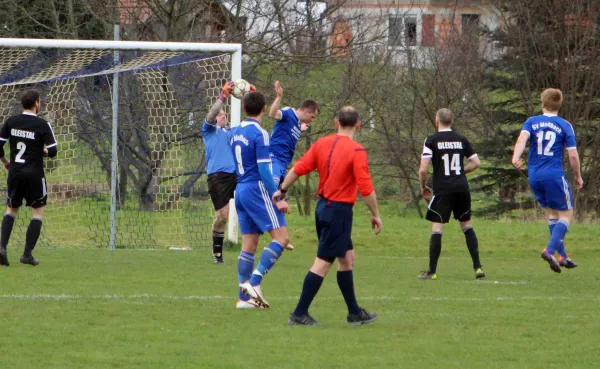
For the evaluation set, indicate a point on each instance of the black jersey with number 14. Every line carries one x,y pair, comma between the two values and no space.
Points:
447,151
27,135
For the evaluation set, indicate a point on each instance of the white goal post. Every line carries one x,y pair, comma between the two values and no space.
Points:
142,128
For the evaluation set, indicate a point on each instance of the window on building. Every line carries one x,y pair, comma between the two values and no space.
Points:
402,31
470,24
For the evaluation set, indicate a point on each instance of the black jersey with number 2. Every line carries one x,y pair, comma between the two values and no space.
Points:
447,151
27,135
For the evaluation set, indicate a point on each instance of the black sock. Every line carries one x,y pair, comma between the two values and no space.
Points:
312,283
473,246
33,233
218,238
346,284
7,226
435,249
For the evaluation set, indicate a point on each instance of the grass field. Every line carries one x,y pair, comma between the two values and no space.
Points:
93,308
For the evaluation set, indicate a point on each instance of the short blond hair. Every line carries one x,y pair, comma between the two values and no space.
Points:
445,116
552,99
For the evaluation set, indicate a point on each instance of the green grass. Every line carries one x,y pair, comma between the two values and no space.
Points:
93,308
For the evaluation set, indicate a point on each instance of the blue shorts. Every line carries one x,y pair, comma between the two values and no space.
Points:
255,209
278,169
553,193
334,228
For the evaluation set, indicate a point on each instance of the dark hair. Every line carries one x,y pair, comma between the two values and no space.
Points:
552,99
253,102
348,116
445,116
311,106
29,98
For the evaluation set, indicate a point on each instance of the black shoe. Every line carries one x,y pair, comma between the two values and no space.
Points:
305,319
218,258
3,257
29,260
363,317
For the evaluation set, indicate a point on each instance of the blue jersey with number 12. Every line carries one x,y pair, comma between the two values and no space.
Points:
548,137
250,146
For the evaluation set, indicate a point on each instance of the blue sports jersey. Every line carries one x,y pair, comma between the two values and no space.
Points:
548,137
250,146
218,152
285,135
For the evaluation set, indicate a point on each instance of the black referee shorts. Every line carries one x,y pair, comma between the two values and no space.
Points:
221,187
458,203
334,228
28,186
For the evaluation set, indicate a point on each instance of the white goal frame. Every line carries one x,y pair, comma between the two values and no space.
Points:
235,49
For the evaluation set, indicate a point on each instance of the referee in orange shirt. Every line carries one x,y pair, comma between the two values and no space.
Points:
343,167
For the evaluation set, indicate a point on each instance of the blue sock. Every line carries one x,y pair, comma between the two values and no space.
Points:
561,250
558,235
312,283
266,262
245,266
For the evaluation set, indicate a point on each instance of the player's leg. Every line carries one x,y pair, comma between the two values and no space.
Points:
218,233
33,234
278,169
8,222
560,199
279,239
461,207
438,213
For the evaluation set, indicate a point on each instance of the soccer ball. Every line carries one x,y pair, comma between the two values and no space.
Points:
240,88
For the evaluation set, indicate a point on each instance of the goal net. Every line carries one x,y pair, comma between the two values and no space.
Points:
164,90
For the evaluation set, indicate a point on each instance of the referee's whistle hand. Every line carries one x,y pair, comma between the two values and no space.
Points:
283,206
376,224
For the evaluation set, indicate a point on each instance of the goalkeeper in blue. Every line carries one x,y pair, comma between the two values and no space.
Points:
548,135
257,213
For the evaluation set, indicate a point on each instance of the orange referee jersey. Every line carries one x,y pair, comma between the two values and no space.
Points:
342,165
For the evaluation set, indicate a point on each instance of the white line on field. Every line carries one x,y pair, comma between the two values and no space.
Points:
219,297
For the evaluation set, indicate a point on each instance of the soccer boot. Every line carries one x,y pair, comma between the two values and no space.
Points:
289,247
427,275
218,258
29,260
554,265
254,292
479,273
363,317
4,257
241,304
568,263
305,319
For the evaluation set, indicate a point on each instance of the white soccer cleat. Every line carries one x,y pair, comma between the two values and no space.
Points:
240,304
289,247
255,293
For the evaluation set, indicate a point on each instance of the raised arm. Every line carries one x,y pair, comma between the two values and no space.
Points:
211,117
274,112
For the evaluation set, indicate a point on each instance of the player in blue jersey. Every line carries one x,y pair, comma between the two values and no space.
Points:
220,168
548,136
256,211
287,130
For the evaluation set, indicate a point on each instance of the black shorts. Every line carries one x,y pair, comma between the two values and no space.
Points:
31,187
458,203
221,187
334,228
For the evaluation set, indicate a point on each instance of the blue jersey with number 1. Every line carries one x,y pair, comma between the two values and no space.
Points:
250,146
548,137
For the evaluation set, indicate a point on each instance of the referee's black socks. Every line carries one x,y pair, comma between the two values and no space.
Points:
473,246
33,233
7,226
218,238
435,249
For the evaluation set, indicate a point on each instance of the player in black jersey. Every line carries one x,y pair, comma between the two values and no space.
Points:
27,135
446,149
